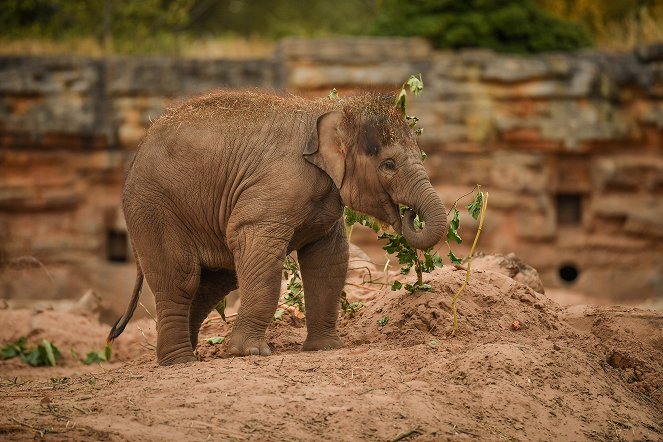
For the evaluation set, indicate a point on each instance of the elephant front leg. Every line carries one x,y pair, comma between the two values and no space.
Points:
259,259
324,265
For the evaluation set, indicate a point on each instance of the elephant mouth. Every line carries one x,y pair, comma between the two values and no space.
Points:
396,220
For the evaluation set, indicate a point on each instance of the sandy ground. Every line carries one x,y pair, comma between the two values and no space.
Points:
567,373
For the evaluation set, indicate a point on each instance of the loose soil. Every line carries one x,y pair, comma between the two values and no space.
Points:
521,367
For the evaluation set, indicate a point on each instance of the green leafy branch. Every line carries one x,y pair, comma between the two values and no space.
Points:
416,84
477,208
294,296
408,257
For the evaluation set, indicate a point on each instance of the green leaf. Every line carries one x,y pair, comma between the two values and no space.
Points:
16,348
221,308
333,94
50,355
278,315
454,259
423,154
349,308
295,294
32,358
427,264
216,340
351,217
383,321
423,287
396,285
45,354
418,224
107,352
94,357
400,100
474,208
411,120
416,84
454,225
418,131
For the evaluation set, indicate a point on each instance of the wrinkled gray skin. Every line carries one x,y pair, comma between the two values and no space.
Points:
224,186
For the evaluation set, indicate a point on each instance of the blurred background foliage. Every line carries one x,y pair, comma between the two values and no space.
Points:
241,28
502,25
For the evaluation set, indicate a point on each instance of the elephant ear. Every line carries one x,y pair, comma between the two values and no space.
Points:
324,148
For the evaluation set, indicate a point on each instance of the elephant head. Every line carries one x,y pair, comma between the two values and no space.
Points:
369,151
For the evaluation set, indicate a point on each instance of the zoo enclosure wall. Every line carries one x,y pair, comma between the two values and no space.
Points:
570,147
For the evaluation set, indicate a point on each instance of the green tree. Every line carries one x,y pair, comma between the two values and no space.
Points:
127,23
280,18
518,26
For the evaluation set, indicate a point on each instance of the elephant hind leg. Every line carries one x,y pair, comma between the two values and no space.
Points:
173,273
214,286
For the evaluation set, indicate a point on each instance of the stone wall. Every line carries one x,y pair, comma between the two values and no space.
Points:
570,147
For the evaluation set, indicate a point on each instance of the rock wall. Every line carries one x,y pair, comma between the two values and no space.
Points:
569,146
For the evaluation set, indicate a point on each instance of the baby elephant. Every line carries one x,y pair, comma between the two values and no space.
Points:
224,186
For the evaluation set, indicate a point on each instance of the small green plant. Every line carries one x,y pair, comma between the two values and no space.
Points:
97,357
383,321
294,295
348,308
94,357
44,354
14,349
214,340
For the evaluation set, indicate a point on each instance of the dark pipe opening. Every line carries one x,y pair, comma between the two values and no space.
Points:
569,273
117,246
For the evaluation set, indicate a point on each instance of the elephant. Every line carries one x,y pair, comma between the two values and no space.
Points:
225,185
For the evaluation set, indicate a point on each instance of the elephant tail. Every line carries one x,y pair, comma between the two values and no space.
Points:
121,323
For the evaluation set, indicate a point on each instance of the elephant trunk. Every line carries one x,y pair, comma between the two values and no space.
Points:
427,204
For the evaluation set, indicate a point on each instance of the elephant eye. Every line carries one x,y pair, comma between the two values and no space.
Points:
389,164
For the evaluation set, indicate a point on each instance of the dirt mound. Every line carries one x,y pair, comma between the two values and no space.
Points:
520,367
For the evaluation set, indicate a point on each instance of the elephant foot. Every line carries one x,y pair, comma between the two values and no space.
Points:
322,343
240,344
173,359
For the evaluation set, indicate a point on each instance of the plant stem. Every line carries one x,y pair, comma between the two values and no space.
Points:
484,205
